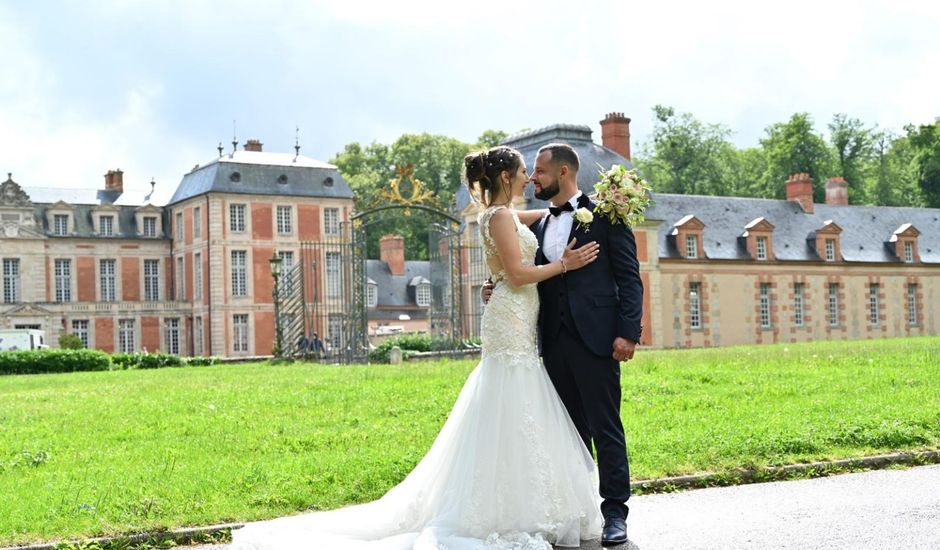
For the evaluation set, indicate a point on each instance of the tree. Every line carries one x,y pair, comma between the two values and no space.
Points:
854,147
491,138
925,143
438,163
684,156
793,147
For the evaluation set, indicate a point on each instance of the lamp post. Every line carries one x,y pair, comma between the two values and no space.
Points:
275,262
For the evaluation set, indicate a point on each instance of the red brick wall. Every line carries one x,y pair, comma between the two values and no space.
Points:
130,279
261,222
308,222
261,271
647,336
188,275
104,334
188,226
150,333
640,245
50,290
86,279
264,332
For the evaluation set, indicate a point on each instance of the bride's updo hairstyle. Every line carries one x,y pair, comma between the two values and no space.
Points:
483,170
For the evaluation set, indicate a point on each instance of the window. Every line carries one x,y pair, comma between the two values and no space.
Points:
912,304
197,276
63,280
798,304
830,250
236,218
11,280
908,251
372,295
198,344
60,224
423,295
331,221
150,226
691,246
765,305
106,273
80,329
151,280
287,263
334,275
285,222
180,281
106,226
240,333
197,222
761,248
179,225
171,333
334,332
833,304
239,273
873,309
695,304
126,336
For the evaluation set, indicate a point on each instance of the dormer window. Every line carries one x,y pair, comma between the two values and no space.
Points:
424,295
830,250
761,248
904,243
908,251
825,241
106,226
60,225
372,294
691,247
150,226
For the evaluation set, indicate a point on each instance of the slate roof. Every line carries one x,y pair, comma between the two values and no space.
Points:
260,173
578,137
126,226
865,229
394,297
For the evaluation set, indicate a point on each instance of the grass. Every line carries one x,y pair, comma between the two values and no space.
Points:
101,453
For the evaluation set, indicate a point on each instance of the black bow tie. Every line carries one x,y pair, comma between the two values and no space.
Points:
557,210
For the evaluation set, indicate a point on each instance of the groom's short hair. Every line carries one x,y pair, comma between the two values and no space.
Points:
563,154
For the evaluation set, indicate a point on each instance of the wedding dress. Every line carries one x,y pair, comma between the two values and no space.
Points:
507,471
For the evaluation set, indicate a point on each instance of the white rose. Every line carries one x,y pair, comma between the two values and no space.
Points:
583,215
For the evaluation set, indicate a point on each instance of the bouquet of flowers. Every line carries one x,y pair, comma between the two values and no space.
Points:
622,195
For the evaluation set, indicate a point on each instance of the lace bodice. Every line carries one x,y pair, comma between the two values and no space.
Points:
510,317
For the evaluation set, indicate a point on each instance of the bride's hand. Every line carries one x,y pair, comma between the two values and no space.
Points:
576,258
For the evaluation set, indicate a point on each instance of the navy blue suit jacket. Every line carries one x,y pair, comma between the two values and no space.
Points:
605,297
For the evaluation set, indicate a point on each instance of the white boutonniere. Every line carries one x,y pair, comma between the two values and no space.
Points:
584,217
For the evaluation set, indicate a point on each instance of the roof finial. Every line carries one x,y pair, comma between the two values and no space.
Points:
220,149
234,138
153,184
296,142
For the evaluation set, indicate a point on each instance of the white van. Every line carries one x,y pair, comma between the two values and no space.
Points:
22,339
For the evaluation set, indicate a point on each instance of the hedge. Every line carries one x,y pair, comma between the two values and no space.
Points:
67,360
53,360
411,343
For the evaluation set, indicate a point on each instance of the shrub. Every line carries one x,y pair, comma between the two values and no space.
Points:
53,360
407,343
200,361
145,360
70,341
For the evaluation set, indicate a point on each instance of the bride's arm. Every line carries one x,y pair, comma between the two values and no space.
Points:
528,217
503,231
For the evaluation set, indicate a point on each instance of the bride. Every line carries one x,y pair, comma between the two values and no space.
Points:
508,469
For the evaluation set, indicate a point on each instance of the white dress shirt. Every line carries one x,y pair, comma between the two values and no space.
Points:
557,231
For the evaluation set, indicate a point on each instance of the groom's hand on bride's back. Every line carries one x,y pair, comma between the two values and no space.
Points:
486,291
623,349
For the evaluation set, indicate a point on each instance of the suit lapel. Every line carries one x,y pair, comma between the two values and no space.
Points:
583,202
540,237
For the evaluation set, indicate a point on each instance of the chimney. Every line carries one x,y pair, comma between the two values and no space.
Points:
615,134
800,190
837,191
254,145
114,181
392,252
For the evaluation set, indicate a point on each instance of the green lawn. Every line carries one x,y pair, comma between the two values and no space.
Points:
110,452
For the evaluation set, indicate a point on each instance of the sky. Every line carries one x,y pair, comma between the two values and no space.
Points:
153,87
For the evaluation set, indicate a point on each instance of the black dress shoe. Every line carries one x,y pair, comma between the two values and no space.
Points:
615,532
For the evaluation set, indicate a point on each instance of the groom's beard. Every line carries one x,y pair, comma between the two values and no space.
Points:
548,191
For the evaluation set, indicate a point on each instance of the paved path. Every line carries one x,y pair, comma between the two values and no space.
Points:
887,509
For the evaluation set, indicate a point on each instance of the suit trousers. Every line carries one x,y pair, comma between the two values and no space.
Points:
589,387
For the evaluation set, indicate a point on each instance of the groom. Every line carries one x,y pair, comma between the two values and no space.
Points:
589,322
